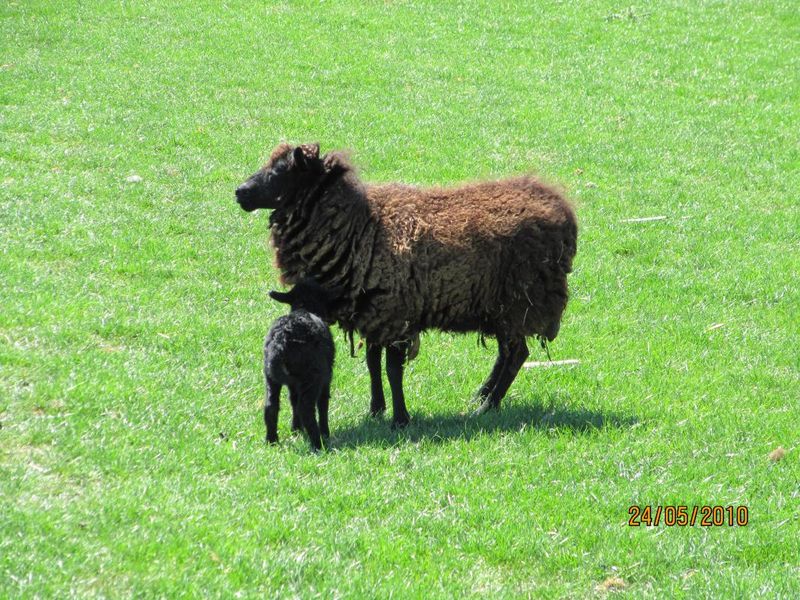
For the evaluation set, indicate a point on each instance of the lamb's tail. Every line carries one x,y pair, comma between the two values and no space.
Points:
413,348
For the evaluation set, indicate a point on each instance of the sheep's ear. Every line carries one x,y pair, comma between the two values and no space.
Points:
299,157
284,297
311,150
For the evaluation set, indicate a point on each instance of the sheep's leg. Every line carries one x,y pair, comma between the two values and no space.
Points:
491,381
271,406
377,403
322,409
395,357
297,423
517,353
307,399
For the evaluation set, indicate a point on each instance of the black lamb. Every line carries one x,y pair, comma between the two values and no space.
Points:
298,353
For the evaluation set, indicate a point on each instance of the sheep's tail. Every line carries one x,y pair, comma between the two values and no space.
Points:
551,332
543,341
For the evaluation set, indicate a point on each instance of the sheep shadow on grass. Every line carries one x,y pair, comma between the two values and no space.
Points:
513,417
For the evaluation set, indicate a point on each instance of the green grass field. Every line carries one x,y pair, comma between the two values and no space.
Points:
132,312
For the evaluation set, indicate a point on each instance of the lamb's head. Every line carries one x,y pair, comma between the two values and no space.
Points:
287,168
309,295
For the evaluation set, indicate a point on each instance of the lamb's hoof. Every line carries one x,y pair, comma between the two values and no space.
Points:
487,406
272,440
296,427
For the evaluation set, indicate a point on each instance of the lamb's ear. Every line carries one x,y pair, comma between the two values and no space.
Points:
284,297
336,305
333,295
335,292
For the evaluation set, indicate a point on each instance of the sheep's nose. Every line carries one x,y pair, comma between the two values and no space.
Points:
242,190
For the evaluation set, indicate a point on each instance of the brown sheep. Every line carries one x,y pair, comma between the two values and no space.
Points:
489,257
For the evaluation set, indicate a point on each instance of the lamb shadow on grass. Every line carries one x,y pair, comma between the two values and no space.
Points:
513,417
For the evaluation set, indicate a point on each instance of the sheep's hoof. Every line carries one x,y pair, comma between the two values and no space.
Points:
401,422
376,409
272,440
485,407
480,395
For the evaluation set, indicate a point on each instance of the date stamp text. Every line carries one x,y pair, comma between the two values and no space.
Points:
688,516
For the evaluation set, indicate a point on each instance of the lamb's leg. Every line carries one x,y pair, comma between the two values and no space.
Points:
322,409
395,357
297,423
517,353
271,406
377,403
307,399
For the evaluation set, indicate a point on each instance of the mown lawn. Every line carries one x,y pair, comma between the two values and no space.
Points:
133,301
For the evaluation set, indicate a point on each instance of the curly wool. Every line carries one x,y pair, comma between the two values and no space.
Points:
491,257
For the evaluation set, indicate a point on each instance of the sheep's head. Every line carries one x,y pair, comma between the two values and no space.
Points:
309,295
287,168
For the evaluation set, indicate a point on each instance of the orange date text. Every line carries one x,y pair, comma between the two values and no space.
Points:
688,516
